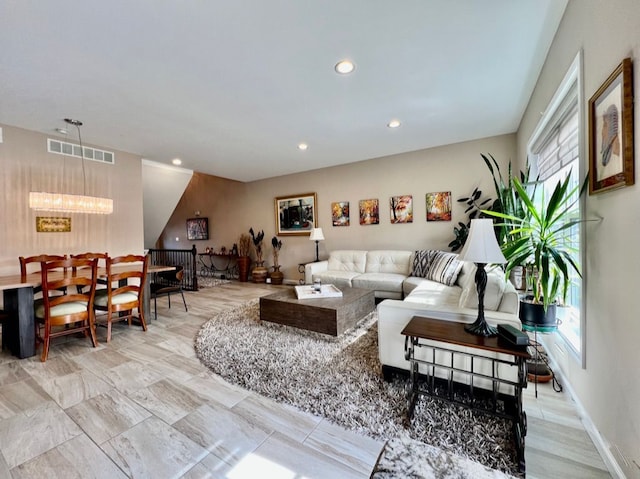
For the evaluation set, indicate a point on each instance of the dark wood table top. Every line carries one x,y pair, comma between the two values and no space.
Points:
453,333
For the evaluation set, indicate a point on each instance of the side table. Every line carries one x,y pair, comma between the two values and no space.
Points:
420,329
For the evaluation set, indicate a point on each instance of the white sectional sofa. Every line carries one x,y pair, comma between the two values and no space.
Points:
410,287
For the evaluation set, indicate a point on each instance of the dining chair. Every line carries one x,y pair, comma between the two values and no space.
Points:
60,315
167,282
36,260
101,257
124,293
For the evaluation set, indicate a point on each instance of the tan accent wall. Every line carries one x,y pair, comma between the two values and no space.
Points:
233,208
26,166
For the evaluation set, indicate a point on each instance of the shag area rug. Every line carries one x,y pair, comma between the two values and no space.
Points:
340,379
210,282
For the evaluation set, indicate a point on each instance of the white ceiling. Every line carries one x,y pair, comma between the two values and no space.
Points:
232,87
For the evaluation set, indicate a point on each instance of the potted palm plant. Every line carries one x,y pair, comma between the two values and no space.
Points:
535,237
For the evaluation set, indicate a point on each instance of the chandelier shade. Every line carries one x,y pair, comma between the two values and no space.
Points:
64,203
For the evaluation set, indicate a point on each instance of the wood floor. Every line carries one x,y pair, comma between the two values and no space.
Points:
143,406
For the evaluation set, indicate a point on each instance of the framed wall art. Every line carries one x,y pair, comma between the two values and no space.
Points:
198,229
296,214
369,212
401,209
53,224
439,206
611,162
340,213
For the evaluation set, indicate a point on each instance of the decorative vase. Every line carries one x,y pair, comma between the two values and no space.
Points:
277,276
243,268
259,273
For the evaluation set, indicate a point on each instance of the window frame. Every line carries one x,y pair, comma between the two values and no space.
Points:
573,76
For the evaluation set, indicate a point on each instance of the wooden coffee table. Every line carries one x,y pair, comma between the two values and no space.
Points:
324,315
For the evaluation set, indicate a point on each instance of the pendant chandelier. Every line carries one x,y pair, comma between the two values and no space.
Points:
67,203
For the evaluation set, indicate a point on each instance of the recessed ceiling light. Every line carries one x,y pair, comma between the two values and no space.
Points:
344,67
176,161
302,146
394,124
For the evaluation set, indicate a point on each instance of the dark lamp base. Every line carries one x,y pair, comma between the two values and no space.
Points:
481,328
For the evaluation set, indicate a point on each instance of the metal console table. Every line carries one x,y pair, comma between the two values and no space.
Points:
421,329
214,263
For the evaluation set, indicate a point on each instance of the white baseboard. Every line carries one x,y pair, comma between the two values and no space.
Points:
602,445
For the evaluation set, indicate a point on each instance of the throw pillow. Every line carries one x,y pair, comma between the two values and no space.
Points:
443,267
420,266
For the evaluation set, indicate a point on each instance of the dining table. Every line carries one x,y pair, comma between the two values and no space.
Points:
19,329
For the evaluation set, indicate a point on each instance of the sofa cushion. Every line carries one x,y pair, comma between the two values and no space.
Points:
435,294
388,261
443,267
379,281
347,260
493,293
340,279
420,266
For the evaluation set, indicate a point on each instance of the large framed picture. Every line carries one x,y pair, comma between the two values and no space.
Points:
198,229
611,162
296,215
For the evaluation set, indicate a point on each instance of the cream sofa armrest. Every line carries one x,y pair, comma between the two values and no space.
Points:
314,268
510,302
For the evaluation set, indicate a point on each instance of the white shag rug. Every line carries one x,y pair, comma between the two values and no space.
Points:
210,282
340,379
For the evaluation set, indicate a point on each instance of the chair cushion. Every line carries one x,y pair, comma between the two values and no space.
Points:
102,298
61,309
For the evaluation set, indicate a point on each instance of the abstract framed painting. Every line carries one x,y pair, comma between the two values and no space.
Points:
611,163
439,206
198,229
401,209
340,213
296,215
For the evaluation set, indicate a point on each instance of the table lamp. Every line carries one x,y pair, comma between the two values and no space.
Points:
481,248
317,236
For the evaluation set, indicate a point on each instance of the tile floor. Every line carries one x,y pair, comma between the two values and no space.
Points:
143,406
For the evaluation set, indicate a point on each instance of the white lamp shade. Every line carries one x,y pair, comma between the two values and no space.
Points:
481,245
316,235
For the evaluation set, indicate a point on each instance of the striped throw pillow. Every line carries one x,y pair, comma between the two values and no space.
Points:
443,267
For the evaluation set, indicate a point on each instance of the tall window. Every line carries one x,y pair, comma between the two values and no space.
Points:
554,154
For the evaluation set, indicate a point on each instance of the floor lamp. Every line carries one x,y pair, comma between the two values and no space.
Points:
481,248
317,236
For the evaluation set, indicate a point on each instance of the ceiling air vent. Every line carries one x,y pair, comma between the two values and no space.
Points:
71,149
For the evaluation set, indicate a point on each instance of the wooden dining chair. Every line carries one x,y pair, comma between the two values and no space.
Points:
125,291
36,260
102,258
167,282
63,314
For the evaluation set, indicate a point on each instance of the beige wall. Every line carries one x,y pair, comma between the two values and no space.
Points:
234,207
609,387
26,166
